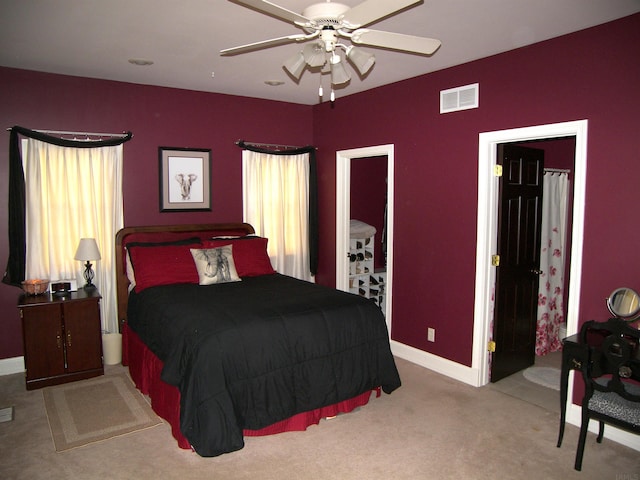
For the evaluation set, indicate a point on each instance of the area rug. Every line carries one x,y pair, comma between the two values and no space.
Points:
545,376
97,409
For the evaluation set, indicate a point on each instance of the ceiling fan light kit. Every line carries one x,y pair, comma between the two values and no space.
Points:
339,74
314,55
363,61
295,65
326,23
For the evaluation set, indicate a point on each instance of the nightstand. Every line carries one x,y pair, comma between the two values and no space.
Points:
62,337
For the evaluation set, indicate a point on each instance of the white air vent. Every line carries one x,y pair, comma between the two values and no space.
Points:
459,98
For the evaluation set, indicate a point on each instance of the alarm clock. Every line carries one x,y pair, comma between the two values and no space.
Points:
63,287
60,288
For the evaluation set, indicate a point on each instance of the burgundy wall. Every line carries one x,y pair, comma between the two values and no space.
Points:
591,75
157,117
588,75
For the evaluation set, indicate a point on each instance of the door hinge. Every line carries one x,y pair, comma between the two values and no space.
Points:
497,170
491,346
495,260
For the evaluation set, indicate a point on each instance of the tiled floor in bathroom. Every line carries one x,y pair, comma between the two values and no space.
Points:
518,386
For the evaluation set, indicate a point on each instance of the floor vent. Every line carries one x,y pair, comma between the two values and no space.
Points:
459,98
6,414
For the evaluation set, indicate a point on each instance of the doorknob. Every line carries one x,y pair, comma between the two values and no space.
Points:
536,271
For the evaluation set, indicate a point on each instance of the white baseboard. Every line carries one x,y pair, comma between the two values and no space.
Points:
9,366
628,439
469,376
437,364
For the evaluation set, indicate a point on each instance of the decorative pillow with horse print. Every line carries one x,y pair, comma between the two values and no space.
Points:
215,265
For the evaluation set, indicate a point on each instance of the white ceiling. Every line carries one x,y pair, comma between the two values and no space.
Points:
96,38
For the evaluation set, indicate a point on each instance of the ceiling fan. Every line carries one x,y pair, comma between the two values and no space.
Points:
325,23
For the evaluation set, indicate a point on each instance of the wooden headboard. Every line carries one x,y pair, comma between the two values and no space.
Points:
162,233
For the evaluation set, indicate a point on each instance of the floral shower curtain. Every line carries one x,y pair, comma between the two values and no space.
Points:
552,261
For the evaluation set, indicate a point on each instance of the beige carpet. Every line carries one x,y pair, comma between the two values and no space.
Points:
431,428
93,410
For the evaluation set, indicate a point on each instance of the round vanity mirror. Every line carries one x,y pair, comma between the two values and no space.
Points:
624,303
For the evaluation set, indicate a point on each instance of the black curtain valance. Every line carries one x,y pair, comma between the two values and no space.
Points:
15,271
63,142
275,149
313,193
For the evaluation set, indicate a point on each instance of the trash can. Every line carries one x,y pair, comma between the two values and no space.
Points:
112,348
562,331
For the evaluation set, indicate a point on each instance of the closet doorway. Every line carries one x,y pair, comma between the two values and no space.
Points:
343,216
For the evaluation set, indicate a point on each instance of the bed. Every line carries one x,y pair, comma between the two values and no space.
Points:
225,347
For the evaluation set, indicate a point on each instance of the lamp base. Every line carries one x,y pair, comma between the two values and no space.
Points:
88,277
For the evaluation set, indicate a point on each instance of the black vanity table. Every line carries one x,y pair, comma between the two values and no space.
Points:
575,356
579,353
607,354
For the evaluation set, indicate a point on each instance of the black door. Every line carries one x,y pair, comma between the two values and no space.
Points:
519,222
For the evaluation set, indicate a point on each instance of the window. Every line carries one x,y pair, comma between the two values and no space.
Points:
276,199
73,193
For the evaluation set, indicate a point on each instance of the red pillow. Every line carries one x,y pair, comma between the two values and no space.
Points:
249,255
163,265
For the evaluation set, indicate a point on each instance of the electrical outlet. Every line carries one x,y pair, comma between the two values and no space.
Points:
431,334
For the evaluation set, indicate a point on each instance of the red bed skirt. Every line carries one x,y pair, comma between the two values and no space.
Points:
145,369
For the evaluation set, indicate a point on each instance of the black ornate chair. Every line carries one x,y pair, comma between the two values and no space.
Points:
612,380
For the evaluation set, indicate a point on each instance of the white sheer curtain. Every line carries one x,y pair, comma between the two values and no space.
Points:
73,193
276,203
552,260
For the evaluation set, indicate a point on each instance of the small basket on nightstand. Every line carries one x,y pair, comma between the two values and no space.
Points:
36,286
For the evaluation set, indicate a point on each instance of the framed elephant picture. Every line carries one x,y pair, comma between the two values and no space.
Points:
185,179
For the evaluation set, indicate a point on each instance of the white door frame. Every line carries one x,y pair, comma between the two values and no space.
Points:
487,230
487,240
343,215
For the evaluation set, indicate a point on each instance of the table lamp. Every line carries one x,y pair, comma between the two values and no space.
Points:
87,251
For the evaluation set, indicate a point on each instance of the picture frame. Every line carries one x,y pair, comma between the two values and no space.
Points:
185,179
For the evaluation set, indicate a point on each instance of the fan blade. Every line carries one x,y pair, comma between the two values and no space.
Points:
396,41
274,10
370,11
263,44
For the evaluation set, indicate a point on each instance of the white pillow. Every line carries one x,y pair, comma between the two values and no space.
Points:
215,265
130,273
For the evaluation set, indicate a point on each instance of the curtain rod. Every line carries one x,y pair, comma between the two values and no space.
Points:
87,134
557,170
274,145
271,145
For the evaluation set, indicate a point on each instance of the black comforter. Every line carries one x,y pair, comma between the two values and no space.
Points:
248,354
